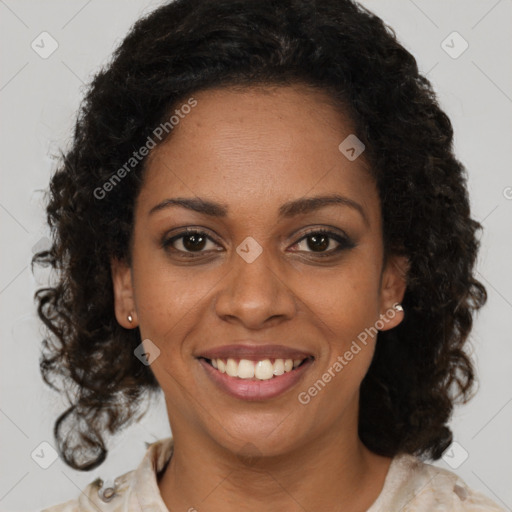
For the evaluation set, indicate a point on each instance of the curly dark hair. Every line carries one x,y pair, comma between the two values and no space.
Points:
420,369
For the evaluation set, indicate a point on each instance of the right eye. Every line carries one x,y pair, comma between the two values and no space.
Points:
188,242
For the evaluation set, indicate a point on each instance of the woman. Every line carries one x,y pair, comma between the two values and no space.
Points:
261,215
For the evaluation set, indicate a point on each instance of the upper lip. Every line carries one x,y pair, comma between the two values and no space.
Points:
254,352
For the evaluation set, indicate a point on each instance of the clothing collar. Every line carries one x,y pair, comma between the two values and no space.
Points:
145,490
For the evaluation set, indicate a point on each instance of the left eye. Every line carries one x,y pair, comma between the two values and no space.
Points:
319,241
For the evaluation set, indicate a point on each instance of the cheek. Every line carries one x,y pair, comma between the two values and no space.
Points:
345,308
345,313
170,303
170,306
346,299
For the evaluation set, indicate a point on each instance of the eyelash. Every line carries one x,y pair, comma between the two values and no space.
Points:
343,241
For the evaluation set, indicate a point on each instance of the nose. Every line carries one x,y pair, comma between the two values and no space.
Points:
255,294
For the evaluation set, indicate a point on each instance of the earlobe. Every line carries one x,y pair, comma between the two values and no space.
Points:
394,284
124,304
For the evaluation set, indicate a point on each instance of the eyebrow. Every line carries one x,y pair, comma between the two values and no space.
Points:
300,206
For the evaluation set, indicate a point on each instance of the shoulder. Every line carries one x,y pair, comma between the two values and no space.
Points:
98,497
134,490
415,486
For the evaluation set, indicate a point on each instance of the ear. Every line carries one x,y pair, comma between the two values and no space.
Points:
124,303
393,286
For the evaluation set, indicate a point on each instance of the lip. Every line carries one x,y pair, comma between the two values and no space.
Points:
254,389
254,352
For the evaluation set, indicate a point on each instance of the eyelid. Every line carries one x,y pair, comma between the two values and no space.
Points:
328,230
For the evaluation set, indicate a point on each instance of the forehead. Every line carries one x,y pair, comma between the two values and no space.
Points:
256,146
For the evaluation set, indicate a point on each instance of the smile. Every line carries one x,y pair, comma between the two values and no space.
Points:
255,380
264,369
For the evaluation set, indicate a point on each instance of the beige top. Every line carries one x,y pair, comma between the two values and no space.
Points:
410,486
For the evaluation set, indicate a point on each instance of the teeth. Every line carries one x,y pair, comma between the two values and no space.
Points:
264,370
261,370
278,367
232,368
245,369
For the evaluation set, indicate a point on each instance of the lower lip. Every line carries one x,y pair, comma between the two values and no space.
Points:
246,389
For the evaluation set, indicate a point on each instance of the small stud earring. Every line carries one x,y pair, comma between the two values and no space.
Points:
130,318
398,307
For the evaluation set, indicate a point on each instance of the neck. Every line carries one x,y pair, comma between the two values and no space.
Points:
332,472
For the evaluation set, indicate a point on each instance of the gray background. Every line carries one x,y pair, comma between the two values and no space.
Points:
38,101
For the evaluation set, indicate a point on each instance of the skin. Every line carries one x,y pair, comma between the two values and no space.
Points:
252,150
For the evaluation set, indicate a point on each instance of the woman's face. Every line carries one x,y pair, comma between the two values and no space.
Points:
258,284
